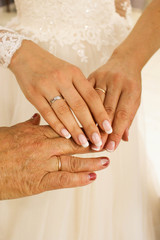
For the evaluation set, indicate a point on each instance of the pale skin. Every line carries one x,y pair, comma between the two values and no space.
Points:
43,76
29,164
121,75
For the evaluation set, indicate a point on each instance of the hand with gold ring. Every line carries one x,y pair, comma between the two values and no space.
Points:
34,159
118,83
56,87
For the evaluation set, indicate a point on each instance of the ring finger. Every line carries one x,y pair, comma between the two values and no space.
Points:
111,101
65,115
74,164
83,114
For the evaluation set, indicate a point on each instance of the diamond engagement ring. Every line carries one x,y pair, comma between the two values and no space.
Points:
55,99
102,90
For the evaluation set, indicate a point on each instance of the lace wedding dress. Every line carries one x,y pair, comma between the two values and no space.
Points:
118,205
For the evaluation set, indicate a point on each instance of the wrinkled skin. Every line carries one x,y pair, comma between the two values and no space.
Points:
28,162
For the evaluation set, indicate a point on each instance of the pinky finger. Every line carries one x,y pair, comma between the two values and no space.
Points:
59,180
48,114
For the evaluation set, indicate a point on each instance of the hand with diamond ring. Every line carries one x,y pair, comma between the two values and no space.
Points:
55,87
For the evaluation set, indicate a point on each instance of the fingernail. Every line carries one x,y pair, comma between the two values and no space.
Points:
96,139
92,176
95,148
107,127
111,146
104,162
34,116
65,133
83,140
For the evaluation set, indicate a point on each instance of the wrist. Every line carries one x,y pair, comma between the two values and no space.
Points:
21,56
131,55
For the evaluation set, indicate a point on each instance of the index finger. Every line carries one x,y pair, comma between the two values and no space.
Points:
62,146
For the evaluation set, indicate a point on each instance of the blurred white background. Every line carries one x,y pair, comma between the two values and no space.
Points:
151,88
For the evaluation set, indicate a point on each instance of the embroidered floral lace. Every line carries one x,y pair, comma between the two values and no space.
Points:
10,41
66,22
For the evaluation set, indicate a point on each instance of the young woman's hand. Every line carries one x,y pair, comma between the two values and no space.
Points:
120,78
42,77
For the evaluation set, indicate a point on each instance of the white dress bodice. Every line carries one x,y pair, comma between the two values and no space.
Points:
71,22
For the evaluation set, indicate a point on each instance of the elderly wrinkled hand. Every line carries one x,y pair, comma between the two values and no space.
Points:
31,155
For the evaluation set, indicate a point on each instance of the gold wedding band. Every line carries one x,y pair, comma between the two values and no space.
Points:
59,163
100,89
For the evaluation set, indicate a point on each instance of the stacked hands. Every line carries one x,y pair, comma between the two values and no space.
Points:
111,105
104,104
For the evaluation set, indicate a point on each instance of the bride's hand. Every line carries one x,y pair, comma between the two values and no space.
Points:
43,76
120,77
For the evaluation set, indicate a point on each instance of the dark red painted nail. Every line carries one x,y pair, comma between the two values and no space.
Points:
92,176
35,115
105,161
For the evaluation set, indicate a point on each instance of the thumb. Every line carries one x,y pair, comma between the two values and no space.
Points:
34,120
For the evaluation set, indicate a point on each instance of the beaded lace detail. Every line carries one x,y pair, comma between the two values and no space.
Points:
10,41
72,22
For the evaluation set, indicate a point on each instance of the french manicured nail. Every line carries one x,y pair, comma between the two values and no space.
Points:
65,133
95,148
83,140
92,176
111,146
104,162
35,115
107,127
96,139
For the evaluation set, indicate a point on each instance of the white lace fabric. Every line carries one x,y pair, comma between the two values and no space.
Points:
68,22
10,42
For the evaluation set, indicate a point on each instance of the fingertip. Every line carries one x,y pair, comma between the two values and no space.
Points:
35,119
105,162
65,133
110,146
92,176
107,127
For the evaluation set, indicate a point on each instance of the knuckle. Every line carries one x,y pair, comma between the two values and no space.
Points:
44,84
79,105
117,77
76,70
74,146
116,136
91,128
92,95
109,110
56,74
74,164
62,108
122,115
47,113
63,180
